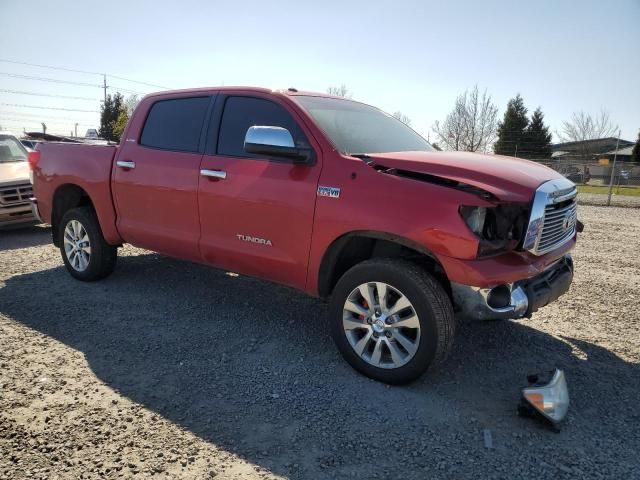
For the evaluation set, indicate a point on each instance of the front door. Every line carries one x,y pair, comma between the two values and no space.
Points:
258,219
155,181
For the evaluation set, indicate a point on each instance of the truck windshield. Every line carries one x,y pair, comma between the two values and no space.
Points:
356,128
11,150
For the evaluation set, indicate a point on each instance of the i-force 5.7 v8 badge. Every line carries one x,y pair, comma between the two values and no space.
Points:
333,192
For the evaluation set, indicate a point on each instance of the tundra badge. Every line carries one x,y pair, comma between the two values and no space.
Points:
249,238
332,192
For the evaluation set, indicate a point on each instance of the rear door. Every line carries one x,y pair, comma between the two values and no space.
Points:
258,219
155,178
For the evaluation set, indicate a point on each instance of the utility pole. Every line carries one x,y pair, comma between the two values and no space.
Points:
76,129
104,86
613,169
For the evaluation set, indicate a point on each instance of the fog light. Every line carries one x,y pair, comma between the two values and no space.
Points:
499,297
549,400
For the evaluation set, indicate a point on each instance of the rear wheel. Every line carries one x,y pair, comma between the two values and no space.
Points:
391,320
84,250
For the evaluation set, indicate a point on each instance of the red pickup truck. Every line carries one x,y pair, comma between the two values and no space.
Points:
326,195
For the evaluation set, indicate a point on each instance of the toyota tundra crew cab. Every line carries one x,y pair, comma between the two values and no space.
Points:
325,195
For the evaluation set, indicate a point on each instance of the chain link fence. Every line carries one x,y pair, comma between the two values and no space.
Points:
595,180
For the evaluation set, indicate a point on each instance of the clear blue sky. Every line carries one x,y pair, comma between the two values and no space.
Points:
413,56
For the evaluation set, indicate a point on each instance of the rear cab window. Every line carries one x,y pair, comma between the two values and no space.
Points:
175,124
240,113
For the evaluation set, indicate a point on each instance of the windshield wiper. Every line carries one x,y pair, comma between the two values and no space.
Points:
360,155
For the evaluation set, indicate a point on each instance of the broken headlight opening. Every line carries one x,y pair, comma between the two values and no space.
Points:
546,398
498,228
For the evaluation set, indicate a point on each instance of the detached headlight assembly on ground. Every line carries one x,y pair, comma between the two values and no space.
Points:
498,228
548,400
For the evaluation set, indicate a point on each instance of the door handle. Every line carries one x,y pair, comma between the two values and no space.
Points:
128,164
220,174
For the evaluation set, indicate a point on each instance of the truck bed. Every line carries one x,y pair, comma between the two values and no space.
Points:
85,166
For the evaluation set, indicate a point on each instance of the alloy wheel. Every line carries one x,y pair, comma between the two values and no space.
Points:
381,325
77,246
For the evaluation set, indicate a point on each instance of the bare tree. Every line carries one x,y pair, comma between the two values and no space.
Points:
131,103
402,117
471,125
341,91
583,127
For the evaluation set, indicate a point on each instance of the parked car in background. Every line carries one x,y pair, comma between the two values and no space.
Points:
576,173
32,144
15,186
326,195
623,177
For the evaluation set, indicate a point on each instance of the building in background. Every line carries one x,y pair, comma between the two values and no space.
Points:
588,150
622,154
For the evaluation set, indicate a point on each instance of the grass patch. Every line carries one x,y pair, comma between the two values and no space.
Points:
633,191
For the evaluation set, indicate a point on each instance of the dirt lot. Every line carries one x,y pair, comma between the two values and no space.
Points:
617,200
168,370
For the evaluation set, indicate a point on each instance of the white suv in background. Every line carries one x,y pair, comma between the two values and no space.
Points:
15,186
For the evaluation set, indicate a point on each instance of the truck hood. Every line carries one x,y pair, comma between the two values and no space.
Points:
507,178
14,172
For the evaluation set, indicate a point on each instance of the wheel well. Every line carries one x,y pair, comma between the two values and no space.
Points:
351,249
65,198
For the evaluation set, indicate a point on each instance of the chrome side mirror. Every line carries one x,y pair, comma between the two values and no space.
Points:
275,142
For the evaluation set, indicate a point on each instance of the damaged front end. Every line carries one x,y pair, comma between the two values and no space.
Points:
530,228
514,300
498,229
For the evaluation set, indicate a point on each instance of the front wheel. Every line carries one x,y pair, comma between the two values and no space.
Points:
84,250
391,320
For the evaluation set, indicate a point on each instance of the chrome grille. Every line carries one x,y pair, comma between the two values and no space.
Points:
15,194
553,216
559,225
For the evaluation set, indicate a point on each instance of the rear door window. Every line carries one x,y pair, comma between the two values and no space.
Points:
240,113
175,124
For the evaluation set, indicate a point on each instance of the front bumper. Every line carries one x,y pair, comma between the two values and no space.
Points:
34,209
515,300
15,214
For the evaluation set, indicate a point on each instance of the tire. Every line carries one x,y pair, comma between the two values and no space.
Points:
411,345
87,264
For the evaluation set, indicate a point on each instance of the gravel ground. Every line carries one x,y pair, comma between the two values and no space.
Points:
616,200
173,370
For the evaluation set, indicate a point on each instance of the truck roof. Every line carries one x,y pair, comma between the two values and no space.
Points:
205,90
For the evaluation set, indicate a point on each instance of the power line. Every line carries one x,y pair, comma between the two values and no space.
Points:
35,115
136,81
20,92
48,66
83,84
47,79
48,108
83,71
125,90
53,122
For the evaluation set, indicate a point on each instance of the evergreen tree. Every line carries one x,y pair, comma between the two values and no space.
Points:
120,124
109,113
537,138
511,131
635,153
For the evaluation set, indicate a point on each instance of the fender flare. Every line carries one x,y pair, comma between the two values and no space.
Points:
332,254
